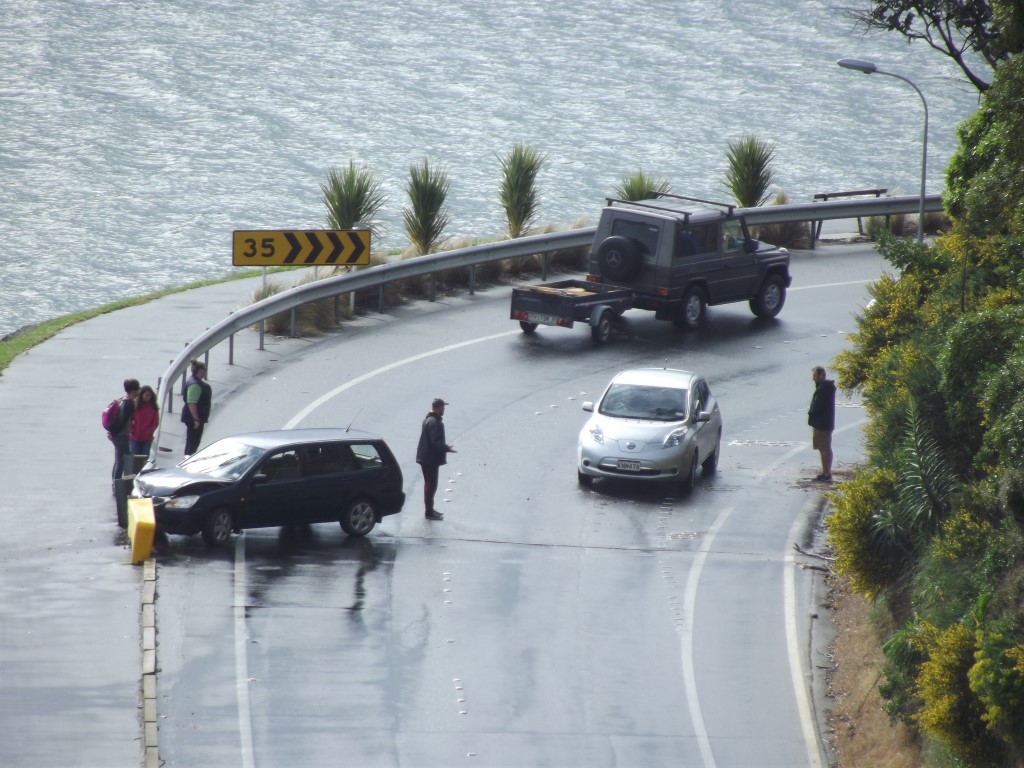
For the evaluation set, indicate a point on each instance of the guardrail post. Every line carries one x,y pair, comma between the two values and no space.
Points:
544,266
433,286
293,323
261,334
472,279
380,298
231,349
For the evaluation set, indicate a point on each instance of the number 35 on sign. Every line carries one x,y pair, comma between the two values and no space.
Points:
300,247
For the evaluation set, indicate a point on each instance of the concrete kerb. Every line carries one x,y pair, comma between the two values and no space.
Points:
150,739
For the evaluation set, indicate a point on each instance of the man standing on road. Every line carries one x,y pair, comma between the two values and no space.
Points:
120,431
821,417
195,414
431,453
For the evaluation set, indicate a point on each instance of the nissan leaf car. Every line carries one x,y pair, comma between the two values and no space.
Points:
652,425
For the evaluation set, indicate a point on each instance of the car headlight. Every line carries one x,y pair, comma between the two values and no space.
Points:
674,438
597,434
181,502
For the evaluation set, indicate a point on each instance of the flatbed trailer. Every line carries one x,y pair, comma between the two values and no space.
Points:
565,302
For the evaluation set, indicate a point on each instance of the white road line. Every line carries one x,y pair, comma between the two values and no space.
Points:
690,599
297,418
830,285
796,671
686,641
241,659
241,649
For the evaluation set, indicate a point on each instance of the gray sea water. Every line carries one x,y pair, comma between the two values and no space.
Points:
135,135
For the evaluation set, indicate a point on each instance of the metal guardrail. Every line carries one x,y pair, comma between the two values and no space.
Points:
472,256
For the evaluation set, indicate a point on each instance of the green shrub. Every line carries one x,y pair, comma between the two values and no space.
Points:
870,562
950,710
353,196
1003,414
749,175
997,679
976,348
790,234
427,216
640,186
518,190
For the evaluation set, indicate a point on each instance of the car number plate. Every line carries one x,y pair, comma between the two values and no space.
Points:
629,466
541,318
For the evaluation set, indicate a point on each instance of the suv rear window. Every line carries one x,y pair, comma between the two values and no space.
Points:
645,234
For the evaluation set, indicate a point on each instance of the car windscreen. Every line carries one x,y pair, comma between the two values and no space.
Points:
227,459
636,401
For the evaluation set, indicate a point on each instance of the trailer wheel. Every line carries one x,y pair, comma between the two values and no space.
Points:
602,329
528,328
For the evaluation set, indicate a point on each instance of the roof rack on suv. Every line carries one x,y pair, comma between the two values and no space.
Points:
686,214
728,206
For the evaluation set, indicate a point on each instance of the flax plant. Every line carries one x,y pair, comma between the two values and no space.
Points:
749,175
353,197
519,198
640,186
427,217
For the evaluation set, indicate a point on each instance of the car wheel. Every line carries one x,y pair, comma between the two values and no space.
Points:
710,464
359,518
528,328
602,330
691,477
691,311
618,258
217,528
585,480
770,297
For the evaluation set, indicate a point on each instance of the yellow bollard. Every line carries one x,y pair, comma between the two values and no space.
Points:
141,528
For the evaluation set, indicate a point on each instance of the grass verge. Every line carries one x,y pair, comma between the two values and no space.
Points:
25,338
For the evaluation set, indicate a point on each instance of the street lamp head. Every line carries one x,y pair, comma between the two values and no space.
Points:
867,67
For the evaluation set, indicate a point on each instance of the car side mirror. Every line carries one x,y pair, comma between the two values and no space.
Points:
704,416
588,407
260,478
752,246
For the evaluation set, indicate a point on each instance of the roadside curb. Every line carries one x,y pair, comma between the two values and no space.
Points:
149,727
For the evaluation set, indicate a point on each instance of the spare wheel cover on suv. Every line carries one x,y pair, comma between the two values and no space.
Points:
619,258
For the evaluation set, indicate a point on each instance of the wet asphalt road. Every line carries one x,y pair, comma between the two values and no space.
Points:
541,623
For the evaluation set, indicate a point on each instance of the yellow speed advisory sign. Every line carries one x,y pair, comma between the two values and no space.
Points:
300,247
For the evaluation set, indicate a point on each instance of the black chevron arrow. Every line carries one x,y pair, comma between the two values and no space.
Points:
338,247
357,248
314,240
296,248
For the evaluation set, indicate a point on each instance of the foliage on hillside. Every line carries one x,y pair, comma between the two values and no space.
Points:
933,526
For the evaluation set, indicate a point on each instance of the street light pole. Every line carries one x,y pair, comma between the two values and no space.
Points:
868,68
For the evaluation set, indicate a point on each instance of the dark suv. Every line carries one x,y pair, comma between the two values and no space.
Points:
285,477
680,254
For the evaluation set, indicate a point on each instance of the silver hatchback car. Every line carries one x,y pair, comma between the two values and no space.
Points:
654,424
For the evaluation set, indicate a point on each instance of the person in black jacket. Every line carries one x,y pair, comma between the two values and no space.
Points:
196,411
120,431
431,453
821,417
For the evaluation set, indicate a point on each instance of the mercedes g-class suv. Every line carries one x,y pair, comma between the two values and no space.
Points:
680,255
